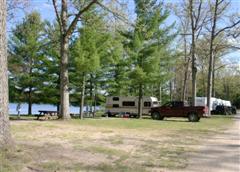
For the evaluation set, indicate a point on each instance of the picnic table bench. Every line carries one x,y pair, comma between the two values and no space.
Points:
46,114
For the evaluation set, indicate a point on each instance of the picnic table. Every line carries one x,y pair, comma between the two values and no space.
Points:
46,113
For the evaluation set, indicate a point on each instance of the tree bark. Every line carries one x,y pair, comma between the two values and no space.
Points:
187,60
213,83
210,69
170,91
91,93
213,77
58,108
64,92
194,69
5,136
30,101
140,100
95,100
203,82
82,96
58,95
160,93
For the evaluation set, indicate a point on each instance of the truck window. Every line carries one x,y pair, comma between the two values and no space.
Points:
168,104
147,104
178,104
155,103
115,105
115,98
128,103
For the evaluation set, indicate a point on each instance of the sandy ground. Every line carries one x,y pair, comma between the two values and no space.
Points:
221,153
48,146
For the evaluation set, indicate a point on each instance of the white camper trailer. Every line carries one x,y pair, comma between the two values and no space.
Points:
227,103
202,101
214,102
119,104
219,102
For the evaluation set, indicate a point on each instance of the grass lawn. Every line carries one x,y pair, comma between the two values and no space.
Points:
106,144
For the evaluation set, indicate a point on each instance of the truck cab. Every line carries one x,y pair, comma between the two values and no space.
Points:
173,108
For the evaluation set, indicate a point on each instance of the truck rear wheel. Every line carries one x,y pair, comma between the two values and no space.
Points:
193,117
157,116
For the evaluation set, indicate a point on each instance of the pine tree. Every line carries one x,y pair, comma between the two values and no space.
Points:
52,68
26,58
145,42
85,54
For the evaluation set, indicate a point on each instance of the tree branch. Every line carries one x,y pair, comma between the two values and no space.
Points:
57,15
75,20
198,14
120,17
227,27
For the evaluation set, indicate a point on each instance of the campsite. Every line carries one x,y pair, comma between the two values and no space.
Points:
119,85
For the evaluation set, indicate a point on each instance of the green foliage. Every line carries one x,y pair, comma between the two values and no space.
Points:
147,44
113,62
26,59
85,51
91,51
52,65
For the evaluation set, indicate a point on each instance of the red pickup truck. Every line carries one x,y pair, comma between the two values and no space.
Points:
178,109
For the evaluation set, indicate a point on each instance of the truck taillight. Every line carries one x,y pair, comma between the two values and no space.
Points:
205,110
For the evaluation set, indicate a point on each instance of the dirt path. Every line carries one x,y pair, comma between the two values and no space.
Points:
219,154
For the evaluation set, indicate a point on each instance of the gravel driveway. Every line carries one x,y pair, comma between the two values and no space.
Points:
220,153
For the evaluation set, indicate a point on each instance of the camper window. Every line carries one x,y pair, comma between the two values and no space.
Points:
115,105
128,103
115,98
147,104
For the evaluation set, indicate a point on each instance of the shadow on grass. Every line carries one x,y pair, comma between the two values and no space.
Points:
175,120
23,118
29,118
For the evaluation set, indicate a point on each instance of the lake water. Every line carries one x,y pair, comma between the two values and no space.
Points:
37,107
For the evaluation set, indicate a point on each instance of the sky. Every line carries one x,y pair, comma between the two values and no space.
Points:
46,10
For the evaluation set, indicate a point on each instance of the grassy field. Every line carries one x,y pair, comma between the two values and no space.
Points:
106,144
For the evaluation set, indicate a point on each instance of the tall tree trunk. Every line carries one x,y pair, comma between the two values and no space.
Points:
58,108
30,101
187,60
91,93
140,100
213,77
194,69
170,91
95,100
184,85
64,92
5,136
64,79
213,83
82,96
59,97
203,82
160,93
210,70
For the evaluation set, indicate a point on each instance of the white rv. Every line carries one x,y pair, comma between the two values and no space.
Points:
214,102
119,104
202,101
227,103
